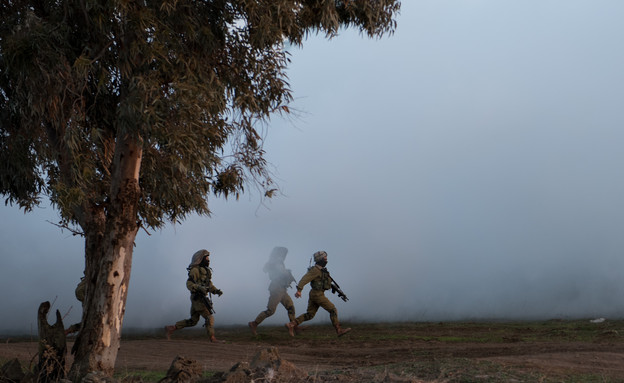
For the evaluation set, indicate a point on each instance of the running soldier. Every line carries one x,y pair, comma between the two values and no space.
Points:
319,280
200,285
281,279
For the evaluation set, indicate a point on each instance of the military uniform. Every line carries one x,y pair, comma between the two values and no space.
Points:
80,295
320,281
199,283
281,278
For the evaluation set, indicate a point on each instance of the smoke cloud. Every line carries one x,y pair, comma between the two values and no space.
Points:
467,167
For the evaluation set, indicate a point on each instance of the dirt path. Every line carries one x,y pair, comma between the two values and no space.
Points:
547,350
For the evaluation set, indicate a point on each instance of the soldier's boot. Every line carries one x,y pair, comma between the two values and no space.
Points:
341,331
253,326
291,327
169,330
213,339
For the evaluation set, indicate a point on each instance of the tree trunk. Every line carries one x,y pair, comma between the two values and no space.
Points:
109,242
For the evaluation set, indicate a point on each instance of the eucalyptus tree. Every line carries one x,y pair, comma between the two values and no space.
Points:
129,114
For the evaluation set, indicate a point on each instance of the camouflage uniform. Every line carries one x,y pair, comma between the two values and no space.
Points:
80,295
281,278
199,284
319,280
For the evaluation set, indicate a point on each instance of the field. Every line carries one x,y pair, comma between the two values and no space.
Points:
550,351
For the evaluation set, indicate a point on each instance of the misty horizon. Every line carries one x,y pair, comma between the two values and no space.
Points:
465,168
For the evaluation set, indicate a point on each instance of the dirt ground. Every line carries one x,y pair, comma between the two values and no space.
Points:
570,351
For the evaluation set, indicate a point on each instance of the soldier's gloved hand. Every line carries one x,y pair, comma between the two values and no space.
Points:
219,292
202,290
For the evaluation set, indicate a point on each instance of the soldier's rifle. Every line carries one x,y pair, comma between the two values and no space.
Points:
206,299
336,289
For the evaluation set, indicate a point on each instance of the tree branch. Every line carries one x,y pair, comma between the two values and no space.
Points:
66,227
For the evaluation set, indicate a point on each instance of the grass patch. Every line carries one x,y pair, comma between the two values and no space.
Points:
139,376
462,370
148,376
459,370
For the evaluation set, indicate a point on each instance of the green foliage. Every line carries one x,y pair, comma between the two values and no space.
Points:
194,82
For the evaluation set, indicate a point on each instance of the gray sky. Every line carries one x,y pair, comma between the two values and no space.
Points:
467,167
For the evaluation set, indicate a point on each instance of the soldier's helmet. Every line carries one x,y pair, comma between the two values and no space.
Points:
318,256
198,257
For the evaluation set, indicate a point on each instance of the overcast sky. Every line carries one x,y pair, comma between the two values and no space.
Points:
467,167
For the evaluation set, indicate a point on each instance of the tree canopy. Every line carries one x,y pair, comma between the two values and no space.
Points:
192,80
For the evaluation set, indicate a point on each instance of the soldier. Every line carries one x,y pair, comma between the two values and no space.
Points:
199,283
281,278
80,295
319,280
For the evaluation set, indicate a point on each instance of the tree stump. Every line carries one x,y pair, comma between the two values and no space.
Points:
52,346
